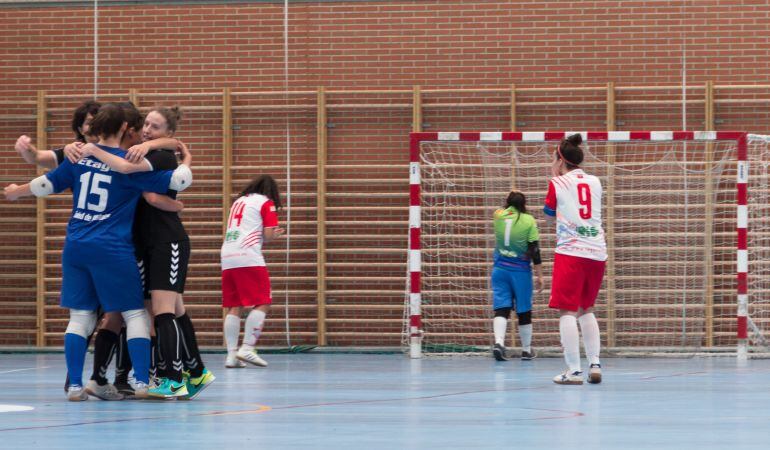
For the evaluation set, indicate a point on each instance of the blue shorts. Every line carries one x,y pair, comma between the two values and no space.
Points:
93,277
510,285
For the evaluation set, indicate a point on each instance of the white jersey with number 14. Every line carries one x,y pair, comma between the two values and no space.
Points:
576,200
249,216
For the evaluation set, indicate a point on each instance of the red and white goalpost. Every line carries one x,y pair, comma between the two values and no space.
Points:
672,200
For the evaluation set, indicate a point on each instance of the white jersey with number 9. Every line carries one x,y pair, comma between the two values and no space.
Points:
576,200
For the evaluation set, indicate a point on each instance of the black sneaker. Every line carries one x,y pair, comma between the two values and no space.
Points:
499,353
595,374
124,388
528,356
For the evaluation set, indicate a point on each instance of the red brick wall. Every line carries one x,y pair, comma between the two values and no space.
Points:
349,45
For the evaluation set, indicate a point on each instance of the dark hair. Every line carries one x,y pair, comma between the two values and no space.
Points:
265,185
517,200
108,121
134,118
172,116
570,151
80,114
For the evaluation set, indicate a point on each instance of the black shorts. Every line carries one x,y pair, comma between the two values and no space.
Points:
163,266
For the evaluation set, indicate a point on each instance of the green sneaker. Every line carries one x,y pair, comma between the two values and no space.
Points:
196,385
167,388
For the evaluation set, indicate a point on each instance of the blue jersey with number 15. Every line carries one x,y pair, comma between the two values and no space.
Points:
104,201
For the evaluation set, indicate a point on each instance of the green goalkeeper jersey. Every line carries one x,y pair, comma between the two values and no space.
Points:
513,233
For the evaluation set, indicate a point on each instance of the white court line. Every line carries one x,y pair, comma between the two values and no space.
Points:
21,370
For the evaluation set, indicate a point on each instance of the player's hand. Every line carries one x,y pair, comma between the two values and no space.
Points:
87,150
10,192
137,152
539,284
74,152
184,152
24,145
279,232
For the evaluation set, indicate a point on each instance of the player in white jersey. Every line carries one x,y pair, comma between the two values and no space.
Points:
574,199
245,281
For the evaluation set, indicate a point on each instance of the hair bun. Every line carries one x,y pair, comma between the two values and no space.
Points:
575,139
177,111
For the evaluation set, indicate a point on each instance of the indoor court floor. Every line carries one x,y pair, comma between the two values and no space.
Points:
387,401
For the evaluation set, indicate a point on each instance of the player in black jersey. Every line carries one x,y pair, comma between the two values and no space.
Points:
163,248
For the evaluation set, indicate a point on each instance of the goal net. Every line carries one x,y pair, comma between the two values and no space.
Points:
670,208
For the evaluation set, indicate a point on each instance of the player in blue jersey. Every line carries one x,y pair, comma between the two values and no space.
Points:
516,250
98,262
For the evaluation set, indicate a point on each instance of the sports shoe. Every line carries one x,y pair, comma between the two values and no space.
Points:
103,391
234,363
76,393
498,351
575,377
124,388
528,356
251,357
196,385
595,374
168,388
141,390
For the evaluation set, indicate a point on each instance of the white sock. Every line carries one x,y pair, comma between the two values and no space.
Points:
500,325
570,340
253,328
592,342
525,333
232,332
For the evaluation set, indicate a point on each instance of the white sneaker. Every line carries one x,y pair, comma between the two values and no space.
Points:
104,392
251,357
595,374
76,393
232,362
575,377
140,390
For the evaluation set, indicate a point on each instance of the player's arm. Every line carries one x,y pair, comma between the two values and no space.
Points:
270,221
43,158
55,181
549,209
533,250
161,181
139,151
163,202
115,162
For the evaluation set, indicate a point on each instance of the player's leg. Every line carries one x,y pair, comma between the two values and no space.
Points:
105,345
79,295
123,366
169,345
589,326
231,301
502,303
254,282
198,377
522,286
566,287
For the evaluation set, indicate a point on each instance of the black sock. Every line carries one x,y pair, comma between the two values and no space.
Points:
167,331
192,356
153,357
122,360
105,344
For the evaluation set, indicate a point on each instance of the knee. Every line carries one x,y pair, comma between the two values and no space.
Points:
137,324
525,318
82,322
503,312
